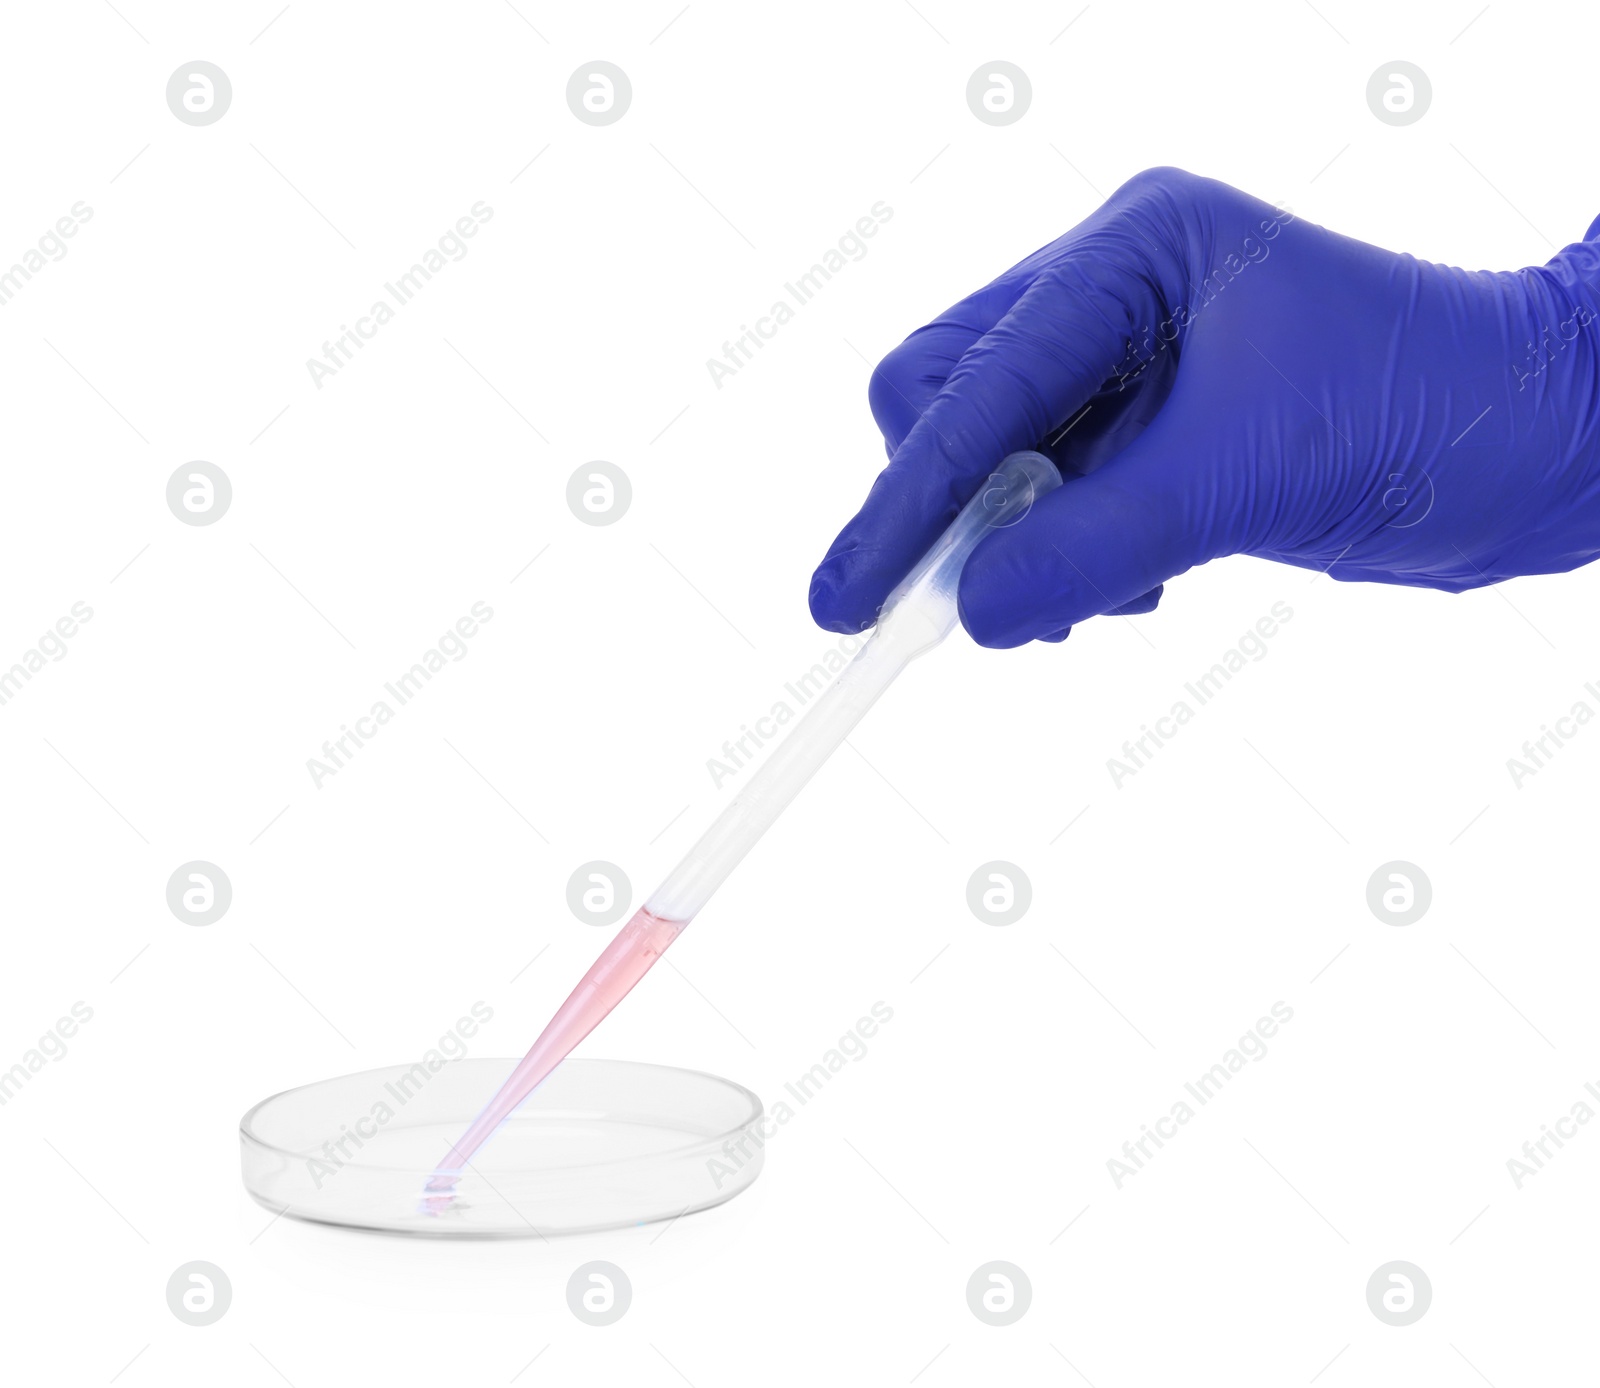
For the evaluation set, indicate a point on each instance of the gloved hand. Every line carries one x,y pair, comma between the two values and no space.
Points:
1215,376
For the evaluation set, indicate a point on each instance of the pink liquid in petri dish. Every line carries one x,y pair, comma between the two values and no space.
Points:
623,962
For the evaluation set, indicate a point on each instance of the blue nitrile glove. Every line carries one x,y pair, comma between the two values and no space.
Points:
1215,376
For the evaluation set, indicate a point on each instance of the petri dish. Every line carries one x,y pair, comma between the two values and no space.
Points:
601,1144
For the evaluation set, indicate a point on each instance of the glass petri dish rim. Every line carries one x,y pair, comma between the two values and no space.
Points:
753,1102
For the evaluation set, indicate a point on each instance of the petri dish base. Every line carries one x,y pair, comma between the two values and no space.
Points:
601,1144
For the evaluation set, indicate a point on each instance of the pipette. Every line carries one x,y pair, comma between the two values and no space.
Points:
918,615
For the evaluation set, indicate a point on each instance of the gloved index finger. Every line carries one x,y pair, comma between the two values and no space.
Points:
907,381
1044,359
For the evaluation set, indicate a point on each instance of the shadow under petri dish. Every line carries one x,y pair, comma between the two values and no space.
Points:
601,1144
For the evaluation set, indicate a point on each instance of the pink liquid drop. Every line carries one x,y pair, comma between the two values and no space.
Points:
623,962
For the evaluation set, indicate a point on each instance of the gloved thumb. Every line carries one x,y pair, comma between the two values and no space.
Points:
1100,543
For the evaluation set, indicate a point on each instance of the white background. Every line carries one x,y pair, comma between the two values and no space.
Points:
370,514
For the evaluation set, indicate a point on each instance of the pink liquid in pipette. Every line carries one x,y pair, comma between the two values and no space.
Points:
622,963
